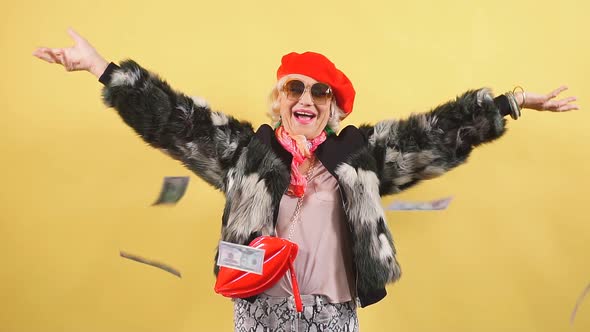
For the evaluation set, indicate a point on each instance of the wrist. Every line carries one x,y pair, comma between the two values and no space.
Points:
98,67
520,96
520,99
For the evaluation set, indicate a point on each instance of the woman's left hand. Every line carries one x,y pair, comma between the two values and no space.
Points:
546,102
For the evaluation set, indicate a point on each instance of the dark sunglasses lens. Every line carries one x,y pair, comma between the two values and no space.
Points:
321,93
294,89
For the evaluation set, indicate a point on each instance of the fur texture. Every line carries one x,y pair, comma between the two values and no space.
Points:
252,169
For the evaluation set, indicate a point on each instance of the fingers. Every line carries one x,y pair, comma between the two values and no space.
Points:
72,58
42,54
565,105
56,58
568,107
58,55
75,36
67,64
51,55
556,92
568,100
562,105
67,61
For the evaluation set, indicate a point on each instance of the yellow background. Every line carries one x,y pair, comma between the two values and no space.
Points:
510,254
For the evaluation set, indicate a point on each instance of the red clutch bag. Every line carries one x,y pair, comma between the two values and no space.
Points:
279,255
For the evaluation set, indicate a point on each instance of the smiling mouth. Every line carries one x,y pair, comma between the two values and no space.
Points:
304,115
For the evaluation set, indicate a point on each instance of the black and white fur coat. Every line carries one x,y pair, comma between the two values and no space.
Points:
253,170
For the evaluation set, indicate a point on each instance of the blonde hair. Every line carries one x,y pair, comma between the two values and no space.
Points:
337,114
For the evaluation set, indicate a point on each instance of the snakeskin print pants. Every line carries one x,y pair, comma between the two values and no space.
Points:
278,314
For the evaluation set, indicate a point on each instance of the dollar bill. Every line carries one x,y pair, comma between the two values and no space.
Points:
439,204
150,262
240,257
173,189
580,299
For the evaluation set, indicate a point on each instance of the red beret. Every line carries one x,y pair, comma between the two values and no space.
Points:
322,70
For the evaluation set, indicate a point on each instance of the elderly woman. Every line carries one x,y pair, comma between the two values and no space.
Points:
299,179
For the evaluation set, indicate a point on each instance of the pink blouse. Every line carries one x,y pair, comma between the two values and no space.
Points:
324,263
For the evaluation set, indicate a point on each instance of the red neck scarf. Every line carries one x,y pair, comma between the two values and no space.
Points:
301,149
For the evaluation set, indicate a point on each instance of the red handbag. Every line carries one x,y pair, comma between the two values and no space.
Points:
279,255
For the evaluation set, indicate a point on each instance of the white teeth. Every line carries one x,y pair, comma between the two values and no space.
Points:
305,114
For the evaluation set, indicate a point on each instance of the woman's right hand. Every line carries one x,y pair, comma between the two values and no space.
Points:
81,56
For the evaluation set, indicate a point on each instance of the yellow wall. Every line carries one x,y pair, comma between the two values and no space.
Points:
510,254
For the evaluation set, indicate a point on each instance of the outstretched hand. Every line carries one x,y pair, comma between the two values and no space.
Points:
81,56
547,102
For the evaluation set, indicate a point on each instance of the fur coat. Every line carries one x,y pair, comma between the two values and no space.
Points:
253,170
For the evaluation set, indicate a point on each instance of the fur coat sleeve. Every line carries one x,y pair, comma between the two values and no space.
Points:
429,144
206,142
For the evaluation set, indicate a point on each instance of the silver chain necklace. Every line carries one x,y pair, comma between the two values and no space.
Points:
296,214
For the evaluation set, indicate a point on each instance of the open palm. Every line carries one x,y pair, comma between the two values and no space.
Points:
547,102
81,56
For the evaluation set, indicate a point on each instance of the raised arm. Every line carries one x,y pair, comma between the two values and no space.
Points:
206,142
429,144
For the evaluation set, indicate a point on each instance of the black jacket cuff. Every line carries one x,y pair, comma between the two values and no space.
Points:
105,78
503,104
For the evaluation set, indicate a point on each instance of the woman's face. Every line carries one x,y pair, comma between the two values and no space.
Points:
304,115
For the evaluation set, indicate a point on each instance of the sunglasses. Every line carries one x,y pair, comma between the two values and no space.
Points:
320,92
